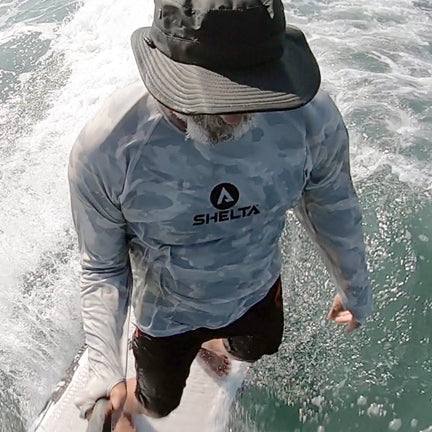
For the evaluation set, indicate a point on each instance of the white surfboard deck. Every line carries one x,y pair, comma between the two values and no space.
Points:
204,407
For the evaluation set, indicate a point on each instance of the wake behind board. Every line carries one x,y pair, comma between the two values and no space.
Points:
204,407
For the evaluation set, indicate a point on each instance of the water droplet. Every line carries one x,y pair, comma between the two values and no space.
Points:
361,401
317,400
395,424
376,410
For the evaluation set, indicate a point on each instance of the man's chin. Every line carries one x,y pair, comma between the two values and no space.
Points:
215,132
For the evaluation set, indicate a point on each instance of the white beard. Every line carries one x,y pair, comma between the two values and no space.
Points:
211,129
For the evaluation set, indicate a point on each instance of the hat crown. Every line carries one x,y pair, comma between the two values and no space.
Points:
219,34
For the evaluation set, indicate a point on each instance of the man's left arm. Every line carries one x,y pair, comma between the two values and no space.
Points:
330,212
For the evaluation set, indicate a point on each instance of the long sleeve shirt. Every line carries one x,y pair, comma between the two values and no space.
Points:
194,228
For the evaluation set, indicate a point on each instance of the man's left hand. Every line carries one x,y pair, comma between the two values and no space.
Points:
339,314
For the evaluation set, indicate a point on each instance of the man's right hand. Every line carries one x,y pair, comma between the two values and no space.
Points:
122,422
118,396
109,405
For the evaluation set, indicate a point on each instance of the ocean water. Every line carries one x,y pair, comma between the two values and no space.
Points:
60,59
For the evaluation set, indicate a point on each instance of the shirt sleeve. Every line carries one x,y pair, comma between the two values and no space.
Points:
106,274
330,212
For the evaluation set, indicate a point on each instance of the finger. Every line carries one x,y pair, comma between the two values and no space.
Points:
344,314
335,312
344,317
336,308
331,315
118,396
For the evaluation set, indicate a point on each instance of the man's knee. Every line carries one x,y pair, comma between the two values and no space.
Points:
250,348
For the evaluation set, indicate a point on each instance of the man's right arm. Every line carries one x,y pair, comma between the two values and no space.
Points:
106,275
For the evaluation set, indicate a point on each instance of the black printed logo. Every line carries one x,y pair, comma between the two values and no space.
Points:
224,196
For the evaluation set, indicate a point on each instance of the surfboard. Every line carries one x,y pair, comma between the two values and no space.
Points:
204,407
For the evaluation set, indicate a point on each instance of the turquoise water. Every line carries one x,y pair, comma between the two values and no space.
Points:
365,381
59,60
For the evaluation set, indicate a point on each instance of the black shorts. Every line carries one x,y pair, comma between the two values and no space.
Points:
163,363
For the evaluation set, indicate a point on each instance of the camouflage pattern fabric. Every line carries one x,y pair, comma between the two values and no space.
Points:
195,227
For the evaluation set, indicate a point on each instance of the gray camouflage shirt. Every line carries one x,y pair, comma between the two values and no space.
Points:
195,228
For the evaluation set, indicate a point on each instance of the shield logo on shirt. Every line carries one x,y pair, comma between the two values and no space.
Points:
224,196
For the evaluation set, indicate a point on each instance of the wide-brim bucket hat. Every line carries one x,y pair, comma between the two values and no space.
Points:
225,56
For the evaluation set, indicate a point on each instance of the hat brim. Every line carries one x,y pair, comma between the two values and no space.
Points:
288,83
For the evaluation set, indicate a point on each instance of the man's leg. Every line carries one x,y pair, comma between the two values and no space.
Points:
132,405
214,358
257,332
262,328
162,366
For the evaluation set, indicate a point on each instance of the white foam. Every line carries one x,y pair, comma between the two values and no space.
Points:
375,62
35,216
33,180
46,31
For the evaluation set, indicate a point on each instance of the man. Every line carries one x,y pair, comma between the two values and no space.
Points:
180,188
